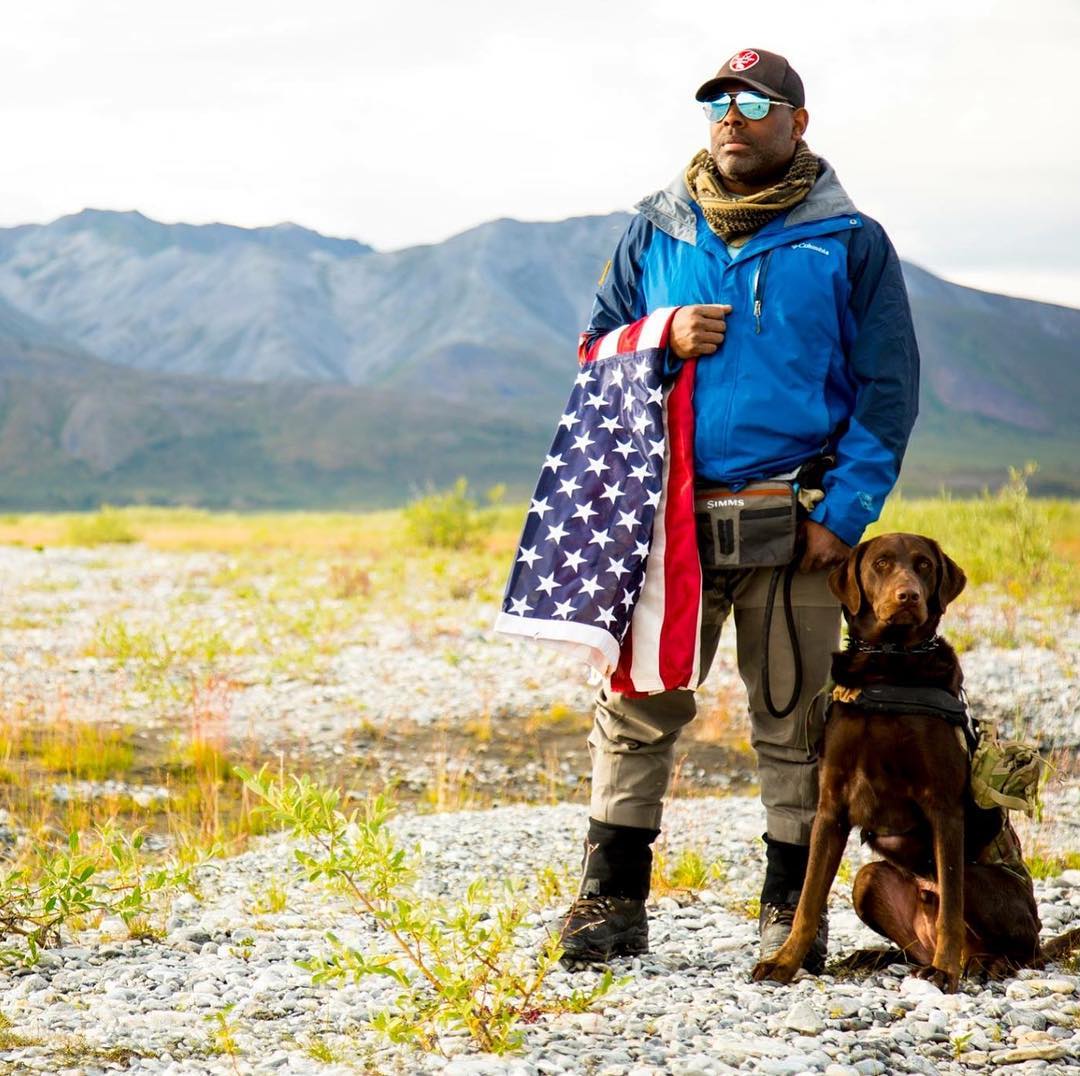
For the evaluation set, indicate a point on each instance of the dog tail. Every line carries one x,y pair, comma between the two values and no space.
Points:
1061,946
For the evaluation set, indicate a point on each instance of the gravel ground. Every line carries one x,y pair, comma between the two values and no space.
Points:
688,1006
105,1003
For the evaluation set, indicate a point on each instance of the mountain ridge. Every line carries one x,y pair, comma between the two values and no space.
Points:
123,339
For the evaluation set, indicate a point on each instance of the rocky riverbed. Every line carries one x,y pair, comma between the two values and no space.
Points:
403,693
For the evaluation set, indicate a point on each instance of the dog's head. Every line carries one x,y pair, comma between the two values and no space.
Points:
896,584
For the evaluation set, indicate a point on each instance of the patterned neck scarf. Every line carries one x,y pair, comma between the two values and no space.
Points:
735,218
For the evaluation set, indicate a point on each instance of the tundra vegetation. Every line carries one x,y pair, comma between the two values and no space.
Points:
144,802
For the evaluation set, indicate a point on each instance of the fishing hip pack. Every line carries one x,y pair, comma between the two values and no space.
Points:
753,527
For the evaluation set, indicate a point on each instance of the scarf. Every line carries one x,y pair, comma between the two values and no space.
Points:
736,218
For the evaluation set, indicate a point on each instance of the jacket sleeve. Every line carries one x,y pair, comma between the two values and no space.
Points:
618,302
883,366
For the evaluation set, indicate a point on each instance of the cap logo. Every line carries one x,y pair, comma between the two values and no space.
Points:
744,60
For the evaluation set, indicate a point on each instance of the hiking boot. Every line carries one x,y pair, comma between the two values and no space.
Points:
595,929
774,926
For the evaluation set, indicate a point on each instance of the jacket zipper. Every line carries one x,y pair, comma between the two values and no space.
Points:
759,289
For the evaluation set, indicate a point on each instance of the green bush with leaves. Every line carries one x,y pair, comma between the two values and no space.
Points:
109,525
458,964
447,519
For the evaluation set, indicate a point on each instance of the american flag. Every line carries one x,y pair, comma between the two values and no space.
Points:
616,496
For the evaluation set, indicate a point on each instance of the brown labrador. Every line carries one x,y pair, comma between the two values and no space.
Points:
951,891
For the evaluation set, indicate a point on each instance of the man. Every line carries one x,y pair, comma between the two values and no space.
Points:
794,305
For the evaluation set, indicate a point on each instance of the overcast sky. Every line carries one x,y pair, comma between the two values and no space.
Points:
952,122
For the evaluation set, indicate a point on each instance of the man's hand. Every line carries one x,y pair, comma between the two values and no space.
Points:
698,330
821,548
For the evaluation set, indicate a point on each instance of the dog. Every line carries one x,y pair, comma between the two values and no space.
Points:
951,890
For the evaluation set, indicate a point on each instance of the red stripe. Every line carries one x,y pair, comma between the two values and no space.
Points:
620,678
682,565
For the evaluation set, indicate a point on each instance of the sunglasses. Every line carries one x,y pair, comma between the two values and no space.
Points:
754,106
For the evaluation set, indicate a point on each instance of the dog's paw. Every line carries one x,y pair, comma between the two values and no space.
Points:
775,970
945,980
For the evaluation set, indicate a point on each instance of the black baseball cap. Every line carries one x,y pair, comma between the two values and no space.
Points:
765,71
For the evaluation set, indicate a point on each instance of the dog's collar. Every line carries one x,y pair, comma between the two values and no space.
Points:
860,646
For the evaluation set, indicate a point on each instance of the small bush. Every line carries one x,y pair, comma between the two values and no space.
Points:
110,525
449,519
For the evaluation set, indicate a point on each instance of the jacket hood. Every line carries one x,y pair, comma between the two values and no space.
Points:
671,209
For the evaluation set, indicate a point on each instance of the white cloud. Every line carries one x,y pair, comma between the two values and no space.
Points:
404,123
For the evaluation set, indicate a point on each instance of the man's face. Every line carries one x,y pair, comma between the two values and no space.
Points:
756,152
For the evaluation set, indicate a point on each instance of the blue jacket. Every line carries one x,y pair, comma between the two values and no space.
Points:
819,352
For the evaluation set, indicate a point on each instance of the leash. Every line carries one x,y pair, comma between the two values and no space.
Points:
788,573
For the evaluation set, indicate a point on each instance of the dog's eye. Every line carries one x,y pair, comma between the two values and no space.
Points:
922,565
881,564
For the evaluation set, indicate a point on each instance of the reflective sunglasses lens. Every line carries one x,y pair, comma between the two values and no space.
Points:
718,109
753,106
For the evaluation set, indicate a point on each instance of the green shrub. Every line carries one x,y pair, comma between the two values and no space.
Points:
447,519
109,525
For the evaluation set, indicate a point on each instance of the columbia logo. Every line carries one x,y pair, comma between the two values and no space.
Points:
810,246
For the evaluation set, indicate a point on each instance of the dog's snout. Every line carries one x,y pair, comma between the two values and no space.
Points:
907,595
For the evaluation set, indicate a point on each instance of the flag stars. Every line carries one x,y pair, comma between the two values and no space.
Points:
641,371
641,423
519,607
605,615
569,486
640,473
656,395
627,520
585,511
563,609
600,538
641,549
653,499
547,584
597,466
624,448
568,420
582,441
528,556
611,424
589,586
612,492
627,600
540,507
595,399
583,378
617,568
573,559
556,533
554,462
656,448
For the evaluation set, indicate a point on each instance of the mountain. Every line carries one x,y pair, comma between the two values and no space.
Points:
277,366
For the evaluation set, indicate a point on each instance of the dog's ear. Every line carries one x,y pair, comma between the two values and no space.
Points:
844,581
950,578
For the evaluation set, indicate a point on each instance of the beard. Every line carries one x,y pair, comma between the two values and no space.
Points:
752,165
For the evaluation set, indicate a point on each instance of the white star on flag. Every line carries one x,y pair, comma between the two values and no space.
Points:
624,448
556,533
640,473
641,371
612,492
568,420
617,568
602,538
597,466
519,607
590,586
563,609
583,379
573,559
595,399
528,556
554,462
610,424
656,395
641,423
569,486
541,508
653,499
656,448
582,441
627,520
547,583
606,615
585,511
